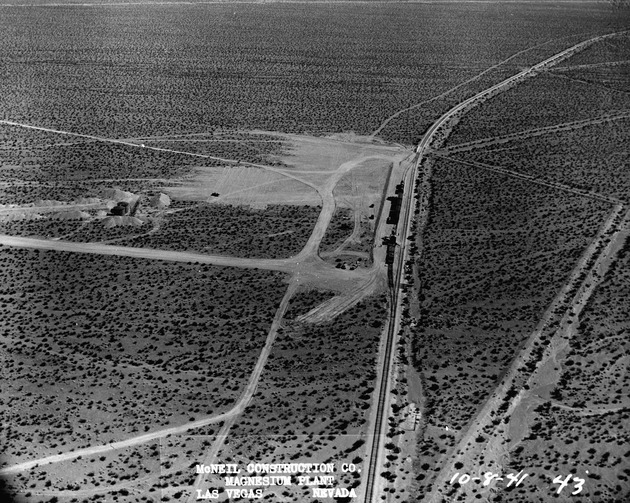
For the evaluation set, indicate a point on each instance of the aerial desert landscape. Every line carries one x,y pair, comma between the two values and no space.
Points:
314,251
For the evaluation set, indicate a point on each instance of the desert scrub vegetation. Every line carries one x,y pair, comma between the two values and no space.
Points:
116,80
278,231
592,158
595,371
95,231
410,126
44,228
340,227
24,193
101,347
612,49
155,468
313,398
615,76
544,100
51,157
305,300
593,447
495,252
365,239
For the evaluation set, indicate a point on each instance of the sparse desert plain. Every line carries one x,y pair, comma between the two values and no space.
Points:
306,252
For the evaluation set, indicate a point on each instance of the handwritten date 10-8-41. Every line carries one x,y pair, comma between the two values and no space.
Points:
516,480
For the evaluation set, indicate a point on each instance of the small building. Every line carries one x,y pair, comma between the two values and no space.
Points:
394,209
390,253
412,417
121,209
160,201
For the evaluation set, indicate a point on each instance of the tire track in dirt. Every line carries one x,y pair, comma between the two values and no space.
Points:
532,179
530,133
467,451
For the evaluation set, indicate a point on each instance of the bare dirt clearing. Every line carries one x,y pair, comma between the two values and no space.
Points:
238,185
326,154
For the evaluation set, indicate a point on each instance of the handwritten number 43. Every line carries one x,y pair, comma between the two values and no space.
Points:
563,483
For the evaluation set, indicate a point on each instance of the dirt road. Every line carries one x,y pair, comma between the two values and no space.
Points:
530,133
306,267
243,401
532,179
434,136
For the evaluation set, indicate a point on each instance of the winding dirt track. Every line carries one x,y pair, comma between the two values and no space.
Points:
466,448
249,390
292,265
243,401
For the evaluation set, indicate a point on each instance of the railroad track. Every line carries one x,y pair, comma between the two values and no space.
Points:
380,424
410,176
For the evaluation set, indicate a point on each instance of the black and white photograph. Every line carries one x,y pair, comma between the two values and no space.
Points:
313,251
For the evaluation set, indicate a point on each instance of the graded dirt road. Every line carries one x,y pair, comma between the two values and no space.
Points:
449,91
436,134
583,278
306,267
483,417
243,401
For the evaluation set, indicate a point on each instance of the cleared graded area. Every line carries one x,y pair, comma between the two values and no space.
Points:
495,252
228,144
101,348
242,185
